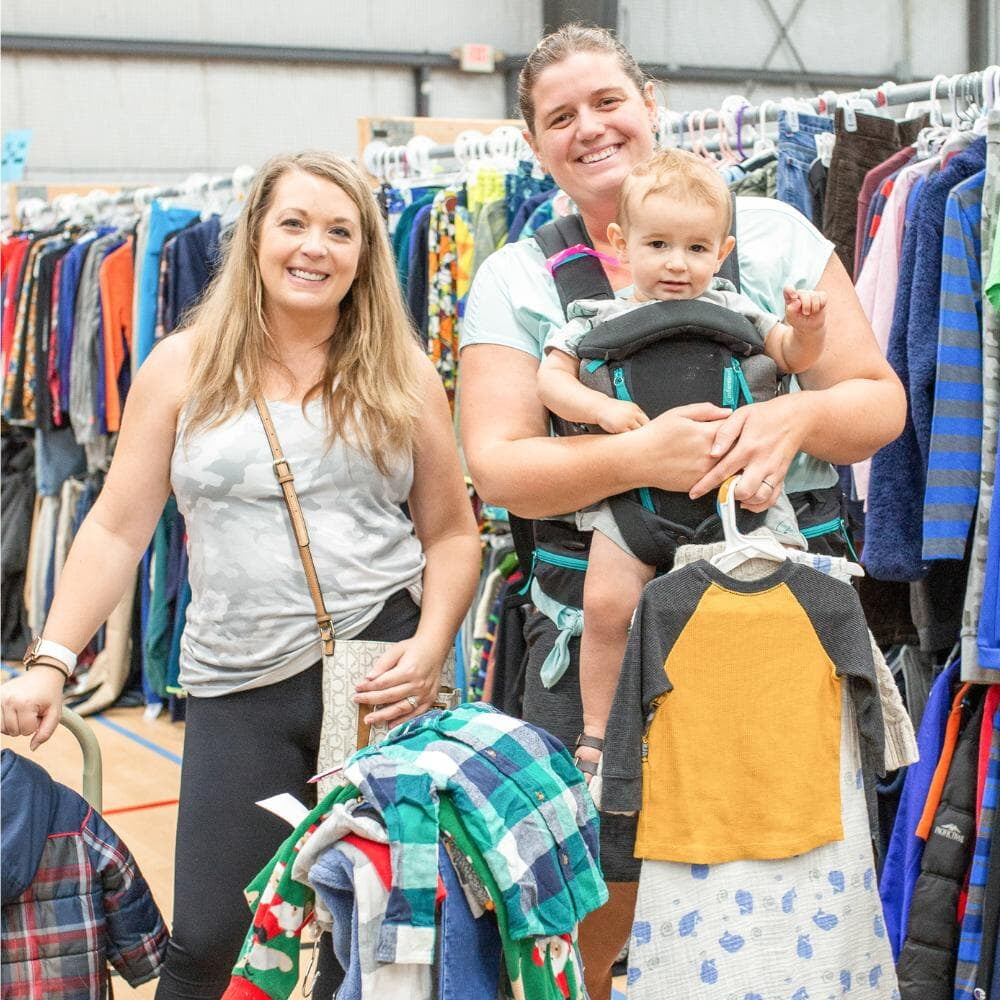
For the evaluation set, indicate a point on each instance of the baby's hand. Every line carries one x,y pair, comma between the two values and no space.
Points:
618,415
805,309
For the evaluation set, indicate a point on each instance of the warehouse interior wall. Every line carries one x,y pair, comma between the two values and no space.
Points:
138,117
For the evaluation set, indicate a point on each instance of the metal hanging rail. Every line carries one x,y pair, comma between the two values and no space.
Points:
963,91
980,88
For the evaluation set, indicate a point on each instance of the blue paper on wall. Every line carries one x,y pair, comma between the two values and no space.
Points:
15,153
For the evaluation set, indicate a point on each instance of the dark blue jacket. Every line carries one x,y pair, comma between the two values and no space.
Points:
73,897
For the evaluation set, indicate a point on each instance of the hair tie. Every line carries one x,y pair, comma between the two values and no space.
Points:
739,130
575,253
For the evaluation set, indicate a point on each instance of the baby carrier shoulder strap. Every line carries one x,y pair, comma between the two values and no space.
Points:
581,277
730,269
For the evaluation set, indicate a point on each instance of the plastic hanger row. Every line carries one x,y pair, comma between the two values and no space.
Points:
970,96
34,213
504,145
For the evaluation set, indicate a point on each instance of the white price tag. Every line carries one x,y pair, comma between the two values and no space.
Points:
286,807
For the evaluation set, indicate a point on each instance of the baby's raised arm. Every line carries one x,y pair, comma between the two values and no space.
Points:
796,344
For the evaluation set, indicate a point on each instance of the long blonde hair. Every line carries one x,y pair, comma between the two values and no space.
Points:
370,352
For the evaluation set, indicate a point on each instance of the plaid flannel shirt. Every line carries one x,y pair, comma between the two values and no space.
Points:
523,800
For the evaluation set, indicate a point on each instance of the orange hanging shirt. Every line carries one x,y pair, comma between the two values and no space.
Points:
117,280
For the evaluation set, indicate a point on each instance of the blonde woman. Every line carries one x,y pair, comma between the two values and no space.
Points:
305,310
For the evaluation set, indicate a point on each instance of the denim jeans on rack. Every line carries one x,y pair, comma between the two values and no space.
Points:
796,152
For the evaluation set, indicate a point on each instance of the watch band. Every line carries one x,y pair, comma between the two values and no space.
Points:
40,647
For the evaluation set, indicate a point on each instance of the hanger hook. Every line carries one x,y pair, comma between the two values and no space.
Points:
762,111
990,88
937,117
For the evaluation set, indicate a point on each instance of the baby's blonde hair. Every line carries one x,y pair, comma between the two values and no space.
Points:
679,174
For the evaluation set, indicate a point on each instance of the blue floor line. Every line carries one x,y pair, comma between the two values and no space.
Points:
121,730
136,738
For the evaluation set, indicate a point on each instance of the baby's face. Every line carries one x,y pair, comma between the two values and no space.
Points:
674,247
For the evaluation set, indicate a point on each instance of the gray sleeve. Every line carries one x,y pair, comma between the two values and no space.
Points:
665,608
835,610
762,320
83,357
567,338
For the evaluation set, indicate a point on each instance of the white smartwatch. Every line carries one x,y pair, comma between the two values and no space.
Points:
39,647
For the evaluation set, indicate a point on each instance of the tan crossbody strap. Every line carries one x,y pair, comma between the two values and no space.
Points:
283,473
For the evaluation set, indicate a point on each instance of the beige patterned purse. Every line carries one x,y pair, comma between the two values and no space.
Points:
346,661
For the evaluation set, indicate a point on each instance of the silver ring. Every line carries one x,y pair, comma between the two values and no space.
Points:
764,482
413,700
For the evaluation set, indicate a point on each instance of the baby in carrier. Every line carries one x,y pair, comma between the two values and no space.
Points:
673,230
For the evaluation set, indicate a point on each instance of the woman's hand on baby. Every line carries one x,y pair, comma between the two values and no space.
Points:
31,704
618,415
757,443
407,671
674,448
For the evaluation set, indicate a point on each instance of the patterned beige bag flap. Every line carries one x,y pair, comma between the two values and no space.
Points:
352,660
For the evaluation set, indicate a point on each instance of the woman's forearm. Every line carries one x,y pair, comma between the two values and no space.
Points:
547,476
451,573
515,464
99,567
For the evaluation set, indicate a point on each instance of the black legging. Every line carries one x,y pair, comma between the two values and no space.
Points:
239,748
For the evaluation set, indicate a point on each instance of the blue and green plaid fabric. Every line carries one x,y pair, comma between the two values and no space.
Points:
523,801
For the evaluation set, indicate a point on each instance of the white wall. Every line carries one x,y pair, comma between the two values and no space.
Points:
146,120
411,25
857,37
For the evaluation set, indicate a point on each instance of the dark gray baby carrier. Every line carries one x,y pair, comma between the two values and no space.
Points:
692,347
660,356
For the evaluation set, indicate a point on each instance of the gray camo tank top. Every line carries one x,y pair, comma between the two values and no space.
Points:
251,621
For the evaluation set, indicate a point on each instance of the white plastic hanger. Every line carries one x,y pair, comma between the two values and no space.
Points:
741,548
763,143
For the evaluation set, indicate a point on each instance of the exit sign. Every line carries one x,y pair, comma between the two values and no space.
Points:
477,58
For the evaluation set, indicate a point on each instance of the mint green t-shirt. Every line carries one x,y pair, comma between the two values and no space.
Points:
514,301
992,286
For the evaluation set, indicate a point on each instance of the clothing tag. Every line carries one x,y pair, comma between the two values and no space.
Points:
850,118
824,147
791,114
286,807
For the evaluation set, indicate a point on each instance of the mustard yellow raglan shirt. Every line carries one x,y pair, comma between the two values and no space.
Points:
725,728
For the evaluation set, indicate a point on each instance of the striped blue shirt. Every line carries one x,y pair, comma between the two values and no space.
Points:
957,421
971,941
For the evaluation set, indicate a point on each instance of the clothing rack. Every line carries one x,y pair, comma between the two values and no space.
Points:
963,91
30,211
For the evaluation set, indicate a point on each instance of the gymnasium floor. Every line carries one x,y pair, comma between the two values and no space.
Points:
141,760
